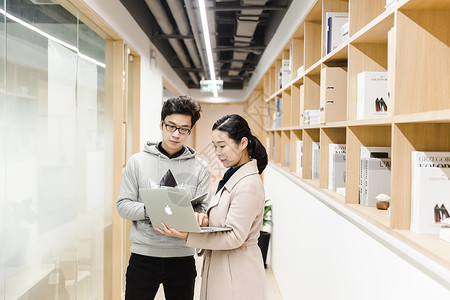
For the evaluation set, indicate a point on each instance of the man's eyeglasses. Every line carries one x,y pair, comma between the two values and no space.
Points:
181,130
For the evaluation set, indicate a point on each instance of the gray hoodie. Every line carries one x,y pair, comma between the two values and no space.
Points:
145,169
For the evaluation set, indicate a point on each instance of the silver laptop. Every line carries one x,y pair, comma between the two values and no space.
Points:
173,207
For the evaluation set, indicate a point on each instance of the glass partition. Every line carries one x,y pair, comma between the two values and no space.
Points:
53,160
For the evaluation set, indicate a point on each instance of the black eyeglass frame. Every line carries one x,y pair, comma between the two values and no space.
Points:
181,130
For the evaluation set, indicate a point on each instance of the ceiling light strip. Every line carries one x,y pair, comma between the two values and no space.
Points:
212,72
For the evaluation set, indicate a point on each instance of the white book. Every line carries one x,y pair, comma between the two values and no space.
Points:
336,166
315,167
372,95
376,152
280,78
285,72
377,179
430,190
333,37
368,152
278,112
312,113
344,29
299,160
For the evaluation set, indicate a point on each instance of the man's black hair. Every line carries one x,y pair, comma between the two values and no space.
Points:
184,105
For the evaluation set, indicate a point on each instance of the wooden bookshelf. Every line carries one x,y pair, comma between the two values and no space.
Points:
410,41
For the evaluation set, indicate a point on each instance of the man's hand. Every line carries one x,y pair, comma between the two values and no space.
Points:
172,232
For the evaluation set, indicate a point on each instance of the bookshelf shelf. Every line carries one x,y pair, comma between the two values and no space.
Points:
408,41
338,55
376,30
439,116
370,122
341,124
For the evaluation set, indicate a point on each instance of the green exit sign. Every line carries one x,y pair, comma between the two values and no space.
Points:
206,86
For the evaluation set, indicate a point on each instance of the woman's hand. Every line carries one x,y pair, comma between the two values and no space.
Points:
202,219
172,232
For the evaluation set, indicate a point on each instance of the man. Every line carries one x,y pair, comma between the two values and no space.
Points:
155,258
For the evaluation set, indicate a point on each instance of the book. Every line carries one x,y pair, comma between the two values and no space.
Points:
430,190
315,167
371,97
368,152
344,32
285,72
377,179
333,94
333,37
278,111
311,116
336,166
299,158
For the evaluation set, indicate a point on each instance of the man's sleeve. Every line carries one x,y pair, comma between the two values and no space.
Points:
127,204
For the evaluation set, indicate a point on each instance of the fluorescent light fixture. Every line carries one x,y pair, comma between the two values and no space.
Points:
212,72
51,37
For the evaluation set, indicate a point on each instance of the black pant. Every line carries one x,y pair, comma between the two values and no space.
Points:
146,273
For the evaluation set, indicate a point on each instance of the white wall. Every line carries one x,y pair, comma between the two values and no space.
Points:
317,253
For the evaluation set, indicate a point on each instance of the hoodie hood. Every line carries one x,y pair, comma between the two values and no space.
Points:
152,148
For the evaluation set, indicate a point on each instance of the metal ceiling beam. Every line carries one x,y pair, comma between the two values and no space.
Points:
163,36
252,7
240,48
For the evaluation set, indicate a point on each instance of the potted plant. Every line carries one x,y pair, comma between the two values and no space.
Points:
264,236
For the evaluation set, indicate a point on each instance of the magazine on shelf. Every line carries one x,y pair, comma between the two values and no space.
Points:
334,20
430,190
368,152
372,95
315,167
336,166
377,179
299,158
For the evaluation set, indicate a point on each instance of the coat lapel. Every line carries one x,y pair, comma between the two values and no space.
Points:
247,169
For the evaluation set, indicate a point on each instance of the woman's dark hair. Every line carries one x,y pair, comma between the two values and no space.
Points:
184,105
237,128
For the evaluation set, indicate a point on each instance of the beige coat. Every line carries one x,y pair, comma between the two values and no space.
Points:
232,266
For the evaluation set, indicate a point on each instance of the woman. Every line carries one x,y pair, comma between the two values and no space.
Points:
233,265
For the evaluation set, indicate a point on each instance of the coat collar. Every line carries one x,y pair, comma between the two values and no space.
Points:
249,168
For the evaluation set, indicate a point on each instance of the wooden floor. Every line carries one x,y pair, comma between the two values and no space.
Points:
272,288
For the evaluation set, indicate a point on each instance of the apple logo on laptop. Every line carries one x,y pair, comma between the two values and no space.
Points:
168,210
